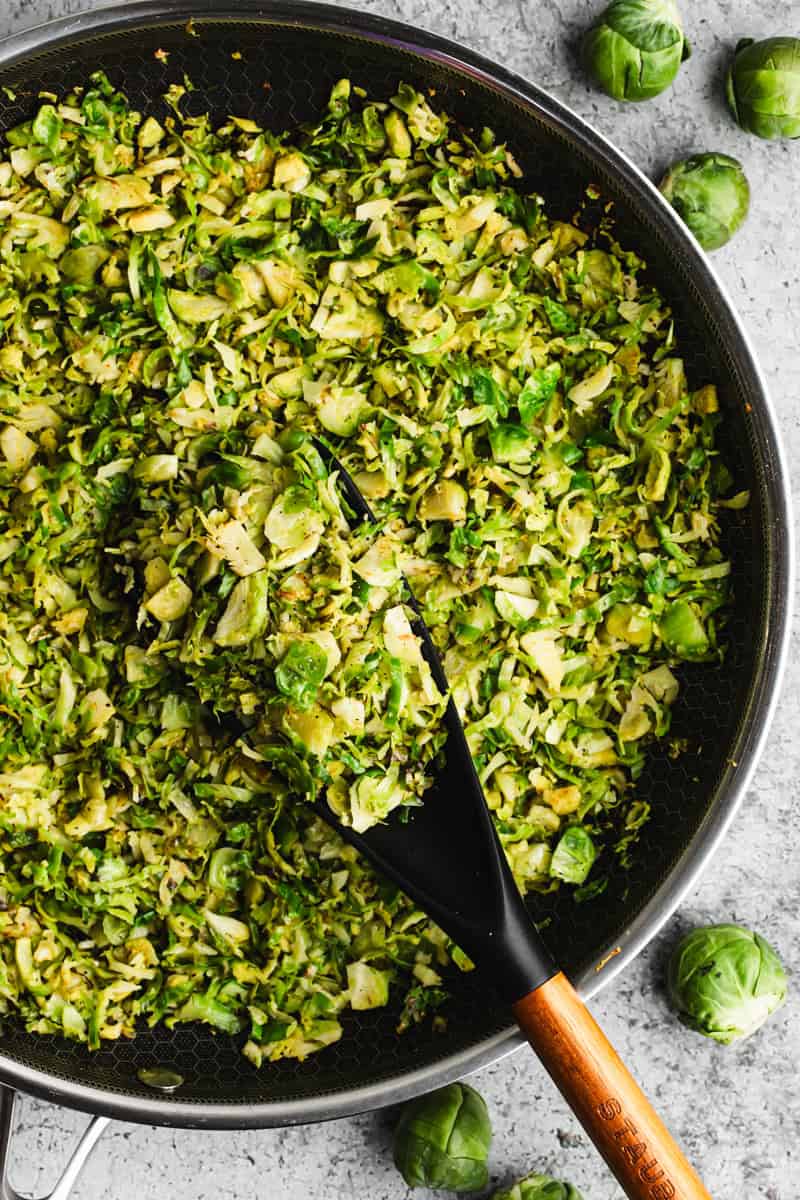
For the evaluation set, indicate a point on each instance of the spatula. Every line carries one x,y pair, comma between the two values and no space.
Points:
448,859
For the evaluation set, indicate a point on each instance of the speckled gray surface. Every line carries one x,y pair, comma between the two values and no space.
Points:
737,1110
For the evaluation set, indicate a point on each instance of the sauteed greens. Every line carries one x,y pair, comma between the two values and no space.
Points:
192,639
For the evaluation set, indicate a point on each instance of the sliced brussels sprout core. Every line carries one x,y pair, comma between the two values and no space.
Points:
369,986
445,501
246,614
314,728
170,602
340,410
379,565
373,796
231,541
294,526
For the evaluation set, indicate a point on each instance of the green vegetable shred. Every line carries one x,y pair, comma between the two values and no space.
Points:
195,633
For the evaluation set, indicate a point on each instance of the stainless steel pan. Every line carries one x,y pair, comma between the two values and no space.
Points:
298,50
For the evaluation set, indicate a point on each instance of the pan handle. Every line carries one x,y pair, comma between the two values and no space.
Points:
73,1168
613,1110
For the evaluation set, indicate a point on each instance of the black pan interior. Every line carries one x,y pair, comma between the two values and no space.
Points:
282,77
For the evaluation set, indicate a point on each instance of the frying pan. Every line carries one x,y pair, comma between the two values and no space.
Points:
290,55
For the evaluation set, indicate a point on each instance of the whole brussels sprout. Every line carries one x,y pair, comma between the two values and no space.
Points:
635,48
443,1139
763,86
539,1187
711,194
725,981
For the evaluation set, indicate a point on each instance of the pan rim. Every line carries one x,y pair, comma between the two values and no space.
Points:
762,701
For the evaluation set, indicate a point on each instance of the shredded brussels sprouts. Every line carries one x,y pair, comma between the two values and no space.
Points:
194,633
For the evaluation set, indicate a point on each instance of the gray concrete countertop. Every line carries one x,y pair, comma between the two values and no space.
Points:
736,1109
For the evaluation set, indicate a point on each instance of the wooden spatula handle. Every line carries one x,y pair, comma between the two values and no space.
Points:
609,1103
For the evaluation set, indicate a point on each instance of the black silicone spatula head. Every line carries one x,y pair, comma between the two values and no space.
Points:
446,855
